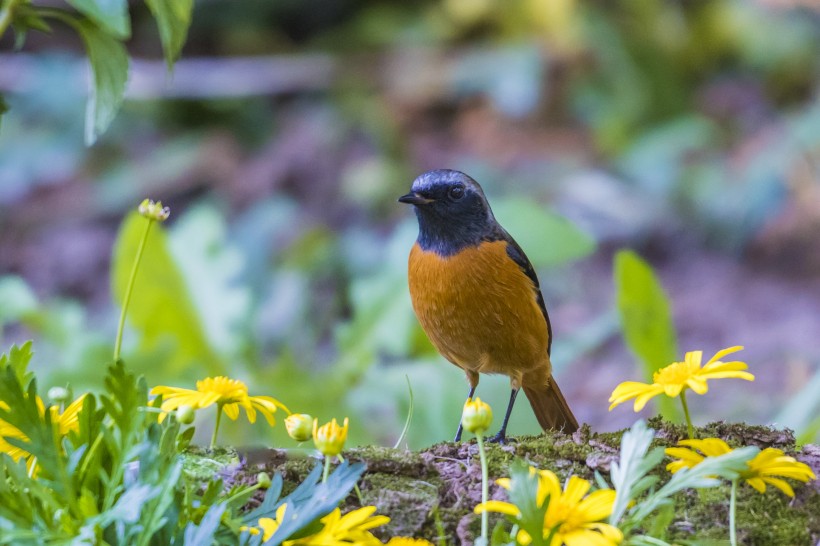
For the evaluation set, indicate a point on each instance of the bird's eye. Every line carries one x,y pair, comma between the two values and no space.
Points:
457,192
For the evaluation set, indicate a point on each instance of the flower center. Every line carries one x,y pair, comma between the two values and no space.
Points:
675,374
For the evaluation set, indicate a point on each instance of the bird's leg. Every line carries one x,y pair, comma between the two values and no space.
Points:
458,432
501,437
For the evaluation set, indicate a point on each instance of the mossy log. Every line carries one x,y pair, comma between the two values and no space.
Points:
432,492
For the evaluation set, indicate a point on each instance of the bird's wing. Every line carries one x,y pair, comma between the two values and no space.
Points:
514,251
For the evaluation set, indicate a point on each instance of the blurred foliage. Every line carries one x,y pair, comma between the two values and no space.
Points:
646,319
638,120
104,26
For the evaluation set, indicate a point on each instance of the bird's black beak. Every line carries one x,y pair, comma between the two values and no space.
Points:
415,199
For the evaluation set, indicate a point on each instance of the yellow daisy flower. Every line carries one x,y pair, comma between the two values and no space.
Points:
228,394
330,438
351,528
676,377
763,468
572,516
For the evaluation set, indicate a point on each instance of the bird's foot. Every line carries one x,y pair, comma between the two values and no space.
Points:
500,438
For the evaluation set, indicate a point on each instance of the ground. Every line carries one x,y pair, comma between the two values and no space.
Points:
433,491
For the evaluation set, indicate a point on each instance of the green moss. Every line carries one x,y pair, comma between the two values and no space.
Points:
443,481
200,464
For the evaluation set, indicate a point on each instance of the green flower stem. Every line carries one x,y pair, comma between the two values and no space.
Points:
130,289
7,14
216,425
732,511
690,429
485,487
327,469
241,492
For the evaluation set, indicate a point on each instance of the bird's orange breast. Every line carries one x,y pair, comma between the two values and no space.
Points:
480,310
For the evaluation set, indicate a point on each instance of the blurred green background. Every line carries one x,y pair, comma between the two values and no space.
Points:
688,131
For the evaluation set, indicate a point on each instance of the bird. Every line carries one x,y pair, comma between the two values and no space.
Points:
477,297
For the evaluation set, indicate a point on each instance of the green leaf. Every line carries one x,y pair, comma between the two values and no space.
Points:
524,494
109,65
632,466
198,242
310,501
160,309
110,15
18,359
646,318
173,19
547,238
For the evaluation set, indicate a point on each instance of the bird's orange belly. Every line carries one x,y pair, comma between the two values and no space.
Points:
479,309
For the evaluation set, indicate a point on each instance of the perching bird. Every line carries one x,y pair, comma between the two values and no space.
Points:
477,297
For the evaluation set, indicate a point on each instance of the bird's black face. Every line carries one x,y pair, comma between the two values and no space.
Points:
452,211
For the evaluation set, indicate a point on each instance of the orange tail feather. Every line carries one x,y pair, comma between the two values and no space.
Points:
550,407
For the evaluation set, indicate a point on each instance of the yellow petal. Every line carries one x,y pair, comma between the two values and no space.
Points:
626,391
780,484
265,410
598,505
609,531
698,385
575,490
523,538
672,390
733,375
723,352
548,486
499,507
231,410
711,447
641,401
693,358
584,537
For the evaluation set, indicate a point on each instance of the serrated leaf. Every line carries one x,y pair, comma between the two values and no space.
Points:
109,66
110,15
18,359
646,318
632,467
160,309
547,238
173,19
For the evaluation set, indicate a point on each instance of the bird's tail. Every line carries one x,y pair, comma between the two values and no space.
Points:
550,407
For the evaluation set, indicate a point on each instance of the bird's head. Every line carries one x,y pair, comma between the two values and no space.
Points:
452,210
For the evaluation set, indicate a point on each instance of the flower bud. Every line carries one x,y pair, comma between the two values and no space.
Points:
263,479
185,414
477,416
58,394
330,437
154,211
299,426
